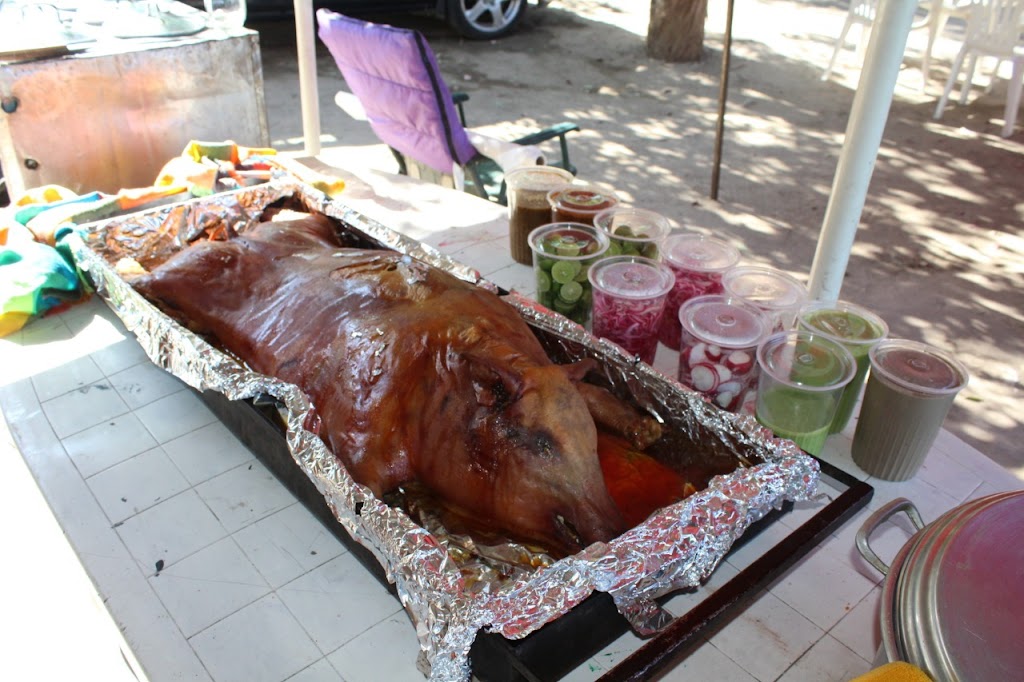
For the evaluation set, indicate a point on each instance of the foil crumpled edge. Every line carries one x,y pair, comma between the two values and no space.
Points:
677,547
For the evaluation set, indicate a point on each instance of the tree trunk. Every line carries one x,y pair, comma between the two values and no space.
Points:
676,30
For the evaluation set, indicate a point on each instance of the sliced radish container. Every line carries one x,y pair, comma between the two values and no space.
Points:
698,263
718,348
629,294
773,291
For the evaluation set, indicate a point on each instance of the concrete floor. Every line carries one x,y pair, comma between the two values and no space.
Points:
939,253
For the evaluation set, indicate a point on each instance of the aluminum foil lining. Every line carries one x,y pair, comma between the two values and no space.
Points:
678,547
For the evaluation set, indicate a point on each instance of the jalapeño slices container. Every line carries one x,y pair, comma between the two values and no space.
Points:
562,256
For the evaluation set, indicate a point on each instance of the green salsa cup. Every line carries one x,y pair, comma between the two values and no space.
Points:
562,256
858,330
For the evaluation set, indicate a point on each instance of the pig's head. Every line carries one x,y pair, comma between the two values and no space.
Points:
536,447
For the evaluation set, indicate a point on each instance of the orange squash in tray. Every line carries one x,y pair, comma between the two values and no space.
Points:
638,483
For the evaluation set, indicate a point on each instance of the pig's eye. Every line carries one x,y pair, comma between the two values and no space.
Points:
544,445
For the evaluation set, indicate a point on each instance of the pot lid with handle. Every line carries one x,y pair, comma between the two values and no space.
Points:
954,597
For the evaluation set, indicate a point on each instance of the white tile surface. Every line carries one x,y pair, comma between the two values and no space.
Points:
827,661
70,376
260,643
170,531
823,586
207,452
83,408
175,415
707,663
767,637
136,484
205,587
108,443
245,494
386,651
287,544
119,356
321,671
859,630
337,601
143,383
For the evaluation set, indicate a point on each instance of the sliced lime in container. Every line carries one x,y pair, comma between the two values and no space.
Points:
571,292
565,271
543,282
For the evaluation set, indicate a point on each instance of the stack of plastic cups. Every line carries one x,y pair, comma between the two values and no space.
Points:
718,348
562,256
779,295
856,328
629,300
698,263
633,231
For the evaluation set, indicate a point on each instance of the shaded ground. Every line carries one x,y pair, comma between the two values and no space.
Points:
939,254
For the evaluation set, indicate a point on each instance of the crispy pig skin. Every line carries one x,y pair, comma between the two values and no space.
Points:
416,375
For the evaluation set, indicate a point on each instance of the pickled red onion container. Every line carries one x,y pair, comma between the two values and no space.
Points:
698,263
718,348
629,294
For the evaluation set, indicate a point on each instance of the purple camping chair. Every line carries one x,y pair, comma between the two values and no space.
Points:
394,74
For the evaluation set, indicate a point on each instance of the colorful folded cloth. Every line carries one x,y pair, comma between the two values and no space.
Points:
34,279
897,671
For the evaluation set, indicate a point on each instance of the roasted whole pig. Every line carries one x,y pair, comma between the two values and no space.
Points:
416,375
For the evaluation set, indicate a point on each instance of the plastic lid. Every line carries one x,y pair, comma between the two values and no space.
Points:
917,367
537,178
715,319
582,198
811,361
568,241
633,224
844,322
767,288
631,277
697,252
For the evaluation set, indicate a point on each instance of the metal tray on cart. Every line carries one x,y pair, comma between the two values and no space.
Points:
573,636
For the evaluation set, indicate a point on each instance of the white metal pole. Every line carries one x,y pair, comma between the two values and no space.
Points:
864,129
308,98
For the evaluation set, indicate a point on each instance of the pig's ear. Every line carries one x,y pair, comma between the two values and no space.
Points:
577,370
493,382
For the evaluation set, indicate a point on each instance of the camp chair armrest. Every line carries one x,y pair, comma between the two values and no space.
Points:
458,99
559,130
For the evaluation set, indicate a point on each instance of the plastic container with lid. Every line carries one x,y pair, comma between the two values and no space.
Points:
634,231
698,263
718,348
951,597
802,378
580,202
778,294
859,330
562,256
528,206
629,300
909,391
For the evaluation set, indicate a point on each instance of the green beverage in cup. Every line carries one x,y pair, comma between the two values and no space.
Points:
802,378
856,328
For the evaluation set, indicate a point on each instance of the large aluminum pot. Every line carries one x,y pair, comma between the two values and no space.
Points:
953,598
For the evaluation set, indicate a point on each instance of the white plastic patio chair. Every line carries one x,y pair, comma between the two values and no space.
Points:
993,30
863,13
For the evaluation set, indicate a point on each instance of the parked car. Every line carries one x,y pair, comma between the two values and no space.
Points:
475,19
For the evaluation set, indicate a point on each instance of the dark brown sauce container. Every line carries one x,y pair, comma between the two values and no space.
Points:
528,206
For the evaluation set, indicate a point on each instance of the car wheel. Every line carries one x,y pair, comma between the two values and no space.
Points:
480,19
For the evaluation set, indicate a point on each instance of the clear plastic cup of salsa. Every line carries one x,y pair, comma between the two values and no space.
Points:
629,300
634,231
580,203
528,206
563,253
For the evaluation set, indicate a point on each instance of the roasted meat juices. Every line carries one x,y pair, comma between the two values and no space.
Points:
415,374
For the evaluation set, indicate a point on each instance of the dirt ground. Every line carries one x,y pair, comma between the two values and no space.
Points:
939,253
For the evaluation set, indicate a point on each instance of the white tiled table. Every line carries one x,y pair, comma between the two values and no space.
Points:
250,587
